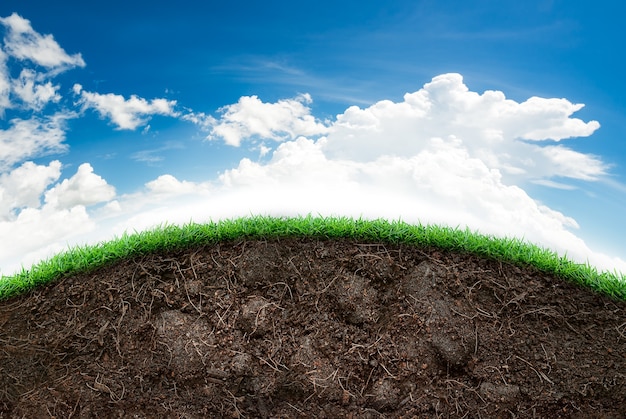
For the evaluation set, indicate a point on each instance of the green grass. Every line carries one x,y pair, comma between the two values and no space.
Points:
170,237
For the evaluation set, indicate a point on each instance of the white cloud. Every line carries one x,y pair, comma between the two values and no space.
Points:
34,95
24,186
84,188
23,43
125,113
250,117
5,84
562,161
203,121
38,233
169,185
38,230
554,120
33,137
504,134
30,90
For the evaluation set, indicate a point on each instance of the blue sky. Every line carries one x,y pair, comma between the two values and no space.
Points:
124,115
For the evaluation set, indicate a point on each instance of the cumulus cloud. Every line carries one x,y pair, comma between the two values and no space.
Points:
125,113
24,43
33,94
169,185
38,233
250,117
23,187
38,229
84,188
40,58
504,134
34,137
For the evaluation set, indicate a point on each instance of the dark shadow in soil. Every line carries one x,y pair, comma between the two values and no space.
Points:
306,328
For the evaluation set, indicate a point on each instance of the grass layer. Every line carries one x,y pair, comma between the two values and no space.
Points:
171,237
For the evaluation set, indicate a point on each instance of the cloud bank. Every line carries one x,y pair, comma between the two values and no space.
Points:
444,155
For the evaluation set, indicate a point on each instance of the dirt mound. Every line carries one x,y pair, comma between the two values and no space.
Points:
306,328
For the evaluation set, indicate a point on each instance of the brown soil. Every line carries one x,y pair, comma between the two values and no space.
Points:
306,328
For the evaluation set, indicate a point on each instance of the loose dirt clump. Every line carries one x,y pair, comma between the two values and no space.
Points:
305,328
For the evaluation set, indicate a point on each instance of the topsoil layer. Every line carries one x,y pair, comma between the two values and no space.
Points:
304,328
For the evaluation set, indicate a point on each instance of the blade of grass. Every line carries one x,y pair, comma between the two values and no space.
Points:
172,237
